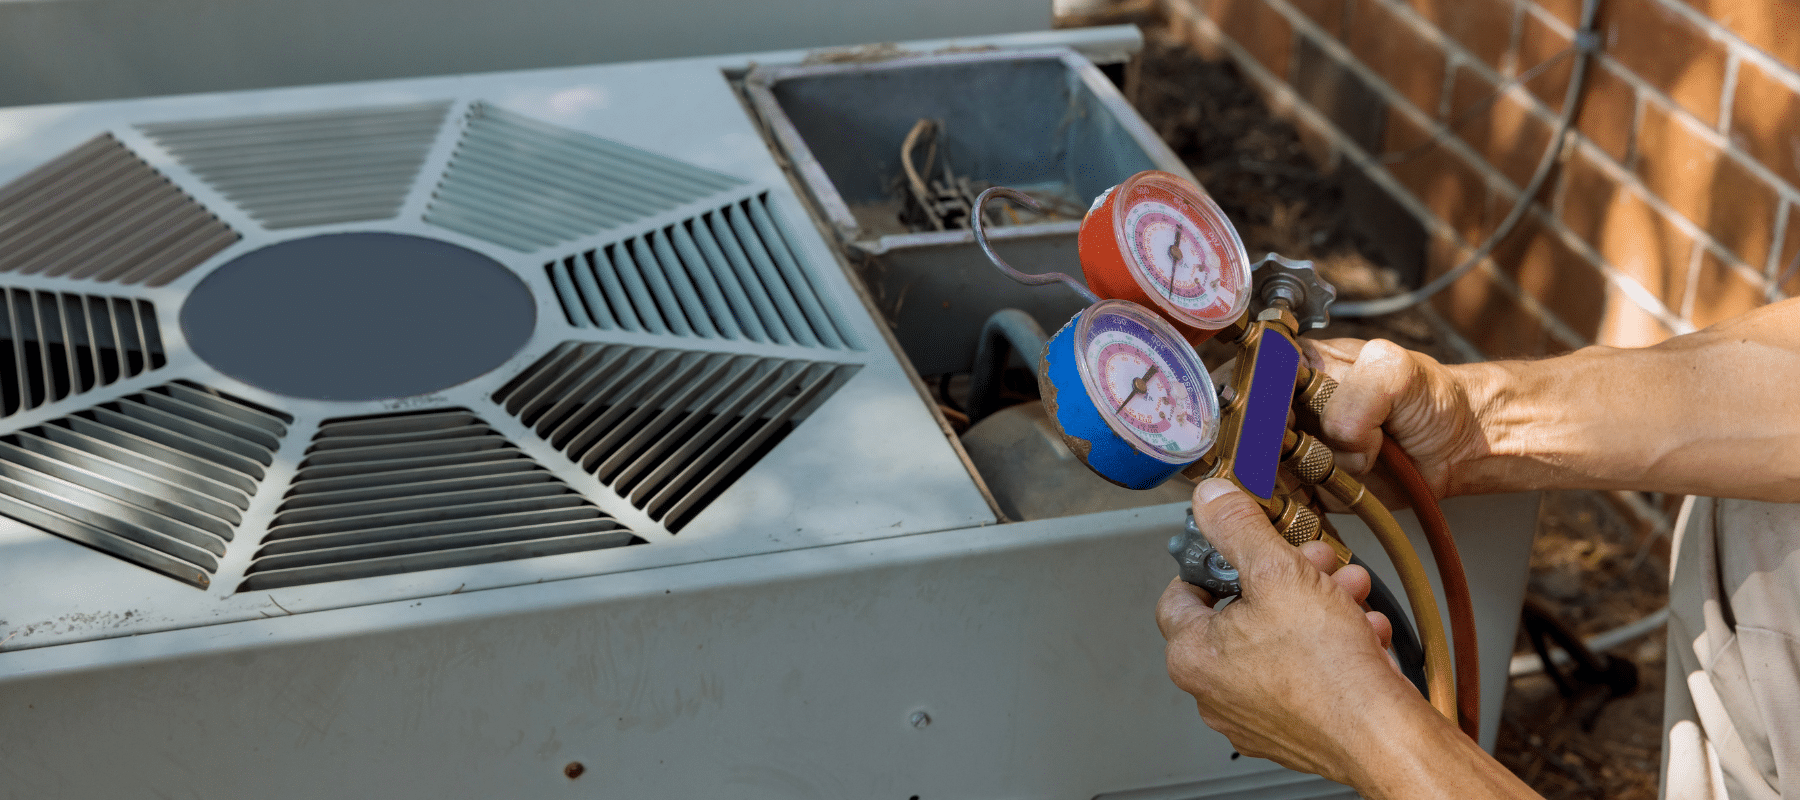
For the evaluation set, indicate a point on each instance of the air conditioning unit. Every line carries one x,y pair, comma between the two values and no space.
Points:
525,435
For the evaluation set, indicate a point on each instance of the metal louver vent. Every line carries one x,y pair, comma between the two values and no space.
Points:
159,478
99,212
724,274
408,492
667,429
527,185
311,168
53,345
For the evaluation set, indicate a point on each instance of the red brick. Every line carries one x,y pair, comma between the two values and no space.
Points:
1706,184
1723,292
1317,143
1328,13
1260,29
1666,49
1493,320
1768,25
1444,253
1608,103
1569,11
1626,324
1452,188
1787,270
1483,26
1626,230
1391,46
1346,98
1505,131
1564,281
1538,44
1765,120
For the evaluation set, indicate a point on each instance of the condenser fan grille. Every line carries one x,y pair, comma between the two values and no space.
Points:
58,344
313,168
726,274
99,212
668,429
158,478
317,324
527,185
409,492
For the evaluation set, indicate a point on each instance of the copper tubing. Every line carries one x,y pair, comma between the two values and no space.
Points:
1438,667
1455,582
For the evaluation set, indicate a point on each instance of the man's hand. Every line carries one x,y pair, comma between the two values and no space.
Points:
1295,671
1709,413
1429,409
1290,669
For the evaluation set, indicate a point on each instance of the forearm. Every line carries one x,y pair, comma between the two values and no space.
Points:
1421,755
1713,413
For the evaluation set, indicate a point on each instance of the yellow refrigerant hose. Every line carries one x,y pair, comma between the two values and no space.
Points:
1454,580
1440,679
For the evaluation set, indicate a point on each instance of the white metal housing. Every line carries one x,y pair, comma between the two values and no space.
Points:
846,619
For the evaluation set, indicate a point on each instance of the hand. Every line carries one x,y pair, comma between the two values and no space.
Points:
1426,406
1293,670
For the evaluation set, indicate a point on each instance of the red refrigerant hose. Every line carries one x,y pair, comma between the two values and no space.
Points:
1460,608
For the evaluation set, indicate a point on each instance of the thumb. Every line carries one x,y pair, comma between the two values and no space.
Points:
1237,527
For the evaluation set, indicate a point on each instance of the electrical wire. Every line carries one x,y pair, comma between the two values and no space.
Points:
1458,604
917,183
1586,41
1478,108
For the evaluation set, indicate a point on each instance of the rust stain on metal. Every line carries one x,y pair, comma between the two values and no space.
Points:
1079,446
574,769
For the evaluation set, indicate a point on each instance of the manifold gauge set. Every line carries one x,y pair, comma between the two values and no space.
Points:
1165,271
1123,384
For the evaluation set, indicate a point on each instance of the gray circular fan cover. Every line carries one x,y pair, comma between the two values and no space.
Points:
358,316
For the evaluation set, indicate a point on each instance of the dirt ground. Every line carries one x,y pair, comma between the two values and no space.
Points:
1592,566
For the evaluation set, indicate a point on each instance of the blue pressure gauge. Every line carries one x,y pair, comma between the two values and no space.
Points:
1130,396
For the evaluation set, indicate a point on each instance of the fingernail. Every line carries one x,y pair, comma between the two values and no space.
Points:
1212,488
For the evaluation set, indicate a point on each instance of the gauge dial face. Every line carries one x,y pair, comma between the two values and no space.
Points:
1181,250
1146,381
1177,256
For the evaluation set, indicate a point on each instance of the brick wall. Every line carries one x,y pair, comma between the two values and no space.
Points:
1674,204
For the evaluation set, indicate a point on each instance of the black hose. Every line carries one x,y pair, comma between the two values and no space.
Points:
1007,330
1406,641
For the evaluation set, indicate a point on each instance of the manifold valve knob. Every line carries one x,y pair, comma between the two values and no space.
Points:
1308,296
1200,564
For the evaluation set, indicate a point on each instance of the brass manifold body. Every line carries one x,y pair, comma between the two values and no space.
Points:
1306,467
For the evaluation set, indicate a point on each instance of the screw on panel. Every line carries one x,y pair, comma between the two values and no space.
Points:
574,770
920,719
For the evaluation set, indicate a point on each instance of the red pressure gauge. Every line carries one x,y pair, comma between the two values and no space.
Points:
1160,241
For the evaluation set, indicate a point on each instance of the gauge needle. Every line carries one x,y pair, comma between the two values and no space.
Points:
1138,386
1174,260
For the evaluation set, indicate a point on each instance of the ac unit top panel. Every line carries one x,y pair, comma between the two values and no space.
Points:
621,342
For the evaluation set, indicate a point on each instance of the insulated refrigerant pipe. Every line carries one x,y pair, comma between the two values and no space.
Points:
1009,329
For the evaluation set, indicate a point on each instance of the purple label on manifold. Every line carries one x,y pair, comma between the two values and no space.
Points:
1265,414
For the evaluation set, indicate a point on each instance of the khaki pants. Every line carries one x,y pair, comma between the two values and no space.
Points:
1731,719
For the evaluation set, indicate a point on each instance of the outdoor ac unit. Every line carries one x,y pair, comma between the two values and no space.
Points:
521,435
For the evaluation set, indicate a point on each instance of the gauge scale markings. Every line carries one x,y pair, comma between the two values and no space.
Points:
1174,254
1145,387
